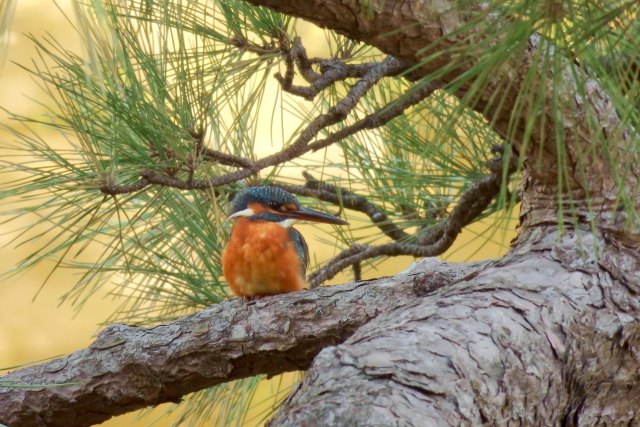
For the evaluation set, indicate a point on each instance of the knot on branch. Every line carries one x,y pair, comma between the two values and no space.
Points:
426,283
111,336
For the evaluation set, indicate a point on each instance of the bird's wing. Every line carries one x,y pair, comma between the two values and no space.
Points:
301,248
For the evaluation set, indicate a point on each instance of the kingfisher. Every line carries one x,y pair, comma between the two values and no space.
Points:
265,255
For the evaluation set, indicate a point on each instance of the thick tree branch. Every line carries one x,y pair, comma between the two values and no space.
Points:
127,367
548,337
407,29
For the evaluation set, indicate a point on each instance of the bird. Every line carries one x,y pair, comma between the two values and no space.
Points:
265,255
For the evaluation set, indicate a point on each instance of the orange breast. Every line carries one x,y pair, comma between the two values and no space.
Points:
260,259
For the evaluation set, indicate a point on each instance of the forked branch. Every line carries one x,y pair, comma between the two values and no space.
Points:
369,75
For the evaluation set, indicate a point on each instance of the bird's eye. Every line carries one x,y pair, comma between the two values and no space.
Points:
287,207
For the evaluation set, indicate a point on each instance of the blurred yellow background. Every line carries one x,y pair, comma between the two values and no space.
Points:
34,329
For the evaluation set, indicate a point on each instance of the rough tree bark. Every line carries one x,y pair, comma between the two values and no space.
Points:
128,368
550,334
547,336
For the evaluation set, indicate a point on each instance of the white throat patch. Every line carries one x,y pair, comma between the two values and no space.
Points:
287,223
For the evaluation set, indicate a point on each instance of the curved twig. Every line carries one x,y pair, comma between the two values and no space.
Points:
434,242
331,70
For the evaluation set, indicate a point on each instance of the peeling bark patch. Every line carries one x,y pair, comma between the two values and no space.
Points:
428,282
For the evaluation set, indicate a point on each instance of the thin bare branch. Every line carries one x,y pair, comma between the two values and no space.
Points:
246,45
348,200
226,159
331,70
380,117
434,241
113,189
299,147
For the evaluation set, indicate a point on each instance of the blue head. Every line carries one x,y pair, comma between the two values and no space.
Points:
267,203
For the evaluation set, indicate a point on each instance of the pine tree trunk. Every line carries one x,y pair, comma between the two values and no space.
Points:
548,335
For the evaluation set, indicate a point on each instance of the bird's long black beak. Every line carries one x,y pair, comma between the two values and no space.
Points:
305,214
